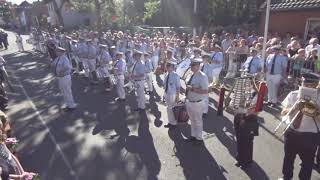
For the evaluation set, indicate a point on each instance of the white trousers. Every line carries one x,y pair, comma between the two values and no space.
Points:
141,99
206,105
103,71
232,69
91,65
149,81
20,46
120,87
85,66
195,111
170,102
216,74
155,61
273,82
65,88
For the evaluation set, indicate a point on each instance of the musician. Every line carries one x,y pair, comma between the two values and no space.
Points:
303,134
197,92
91,61
138,76
82,53
276,68
149,70
62,70
172,91
253,64
217,63
207,69
19,42
103,60
119,70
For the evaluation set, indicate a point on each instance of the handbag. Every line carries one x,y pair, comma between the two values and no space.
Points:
180,113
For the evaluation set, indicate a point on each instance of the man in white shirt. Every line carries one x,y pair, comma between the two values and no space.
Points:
303,134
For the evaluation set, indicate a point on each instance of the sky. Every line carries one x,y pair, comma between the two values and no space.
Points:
19,1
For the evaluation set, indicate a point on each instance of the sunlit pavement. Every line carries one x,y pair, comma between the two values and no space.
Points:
106,140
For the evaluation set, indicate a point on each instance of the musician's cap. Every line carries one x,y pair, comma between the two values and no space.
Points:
253,49
119,53
112,47
310,78
171,62
197,49
205,54
74,40
170,49
196,60
137,52
88,40
60,49
68,37
276,47
146,53
103,45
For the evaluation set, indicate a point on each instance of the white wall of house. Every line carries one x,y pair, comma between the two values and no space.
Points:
71,18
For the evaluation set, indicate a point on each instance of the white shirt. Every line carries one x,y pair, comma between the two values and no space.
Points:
307,123
309,49
173,83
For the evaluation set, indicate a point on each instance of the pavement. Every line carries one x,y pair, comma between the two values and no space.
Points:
106,140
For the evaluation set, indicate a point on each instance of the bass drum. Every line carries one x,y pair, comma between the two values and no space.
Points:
183,67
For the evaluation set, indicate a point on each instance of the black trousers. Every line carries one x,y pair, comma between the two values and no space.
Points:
304,145
318,155
244,148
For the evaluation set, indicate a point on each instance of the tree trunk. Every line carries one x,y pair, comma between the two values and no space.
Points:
58,12
98,14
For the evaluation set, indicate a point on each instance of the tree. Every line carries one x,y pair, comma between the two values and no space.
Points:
58,9
151,8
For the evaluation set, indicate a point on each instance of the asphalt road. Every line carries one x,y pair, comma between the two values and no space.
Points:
105,140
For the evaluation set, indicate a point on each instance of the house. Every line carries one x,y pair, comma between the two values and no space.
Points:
23,14
71,18
300,17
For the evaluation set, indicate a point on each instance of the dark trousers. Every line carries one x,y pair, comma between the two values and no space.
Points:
304,145
318,155
244,148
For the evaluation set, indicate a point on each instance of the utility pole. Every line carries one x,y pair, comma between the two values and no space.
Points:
195,4
266,28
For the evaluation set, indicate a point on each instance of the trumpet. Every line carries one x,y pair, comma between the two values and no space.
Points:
300,108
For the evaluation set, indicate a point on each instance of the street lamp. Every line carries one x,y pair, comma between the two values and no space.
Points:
266,28
195,4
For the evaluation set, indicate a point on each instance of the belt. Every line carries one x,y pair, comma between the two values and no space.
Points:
62,76
195,101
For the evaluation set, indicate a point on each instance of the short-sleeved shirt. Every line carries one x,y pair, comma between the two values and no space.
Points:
217,56
279,66
121,66
138,68
256,64
82,50
199,80
105,57
61,66
307,123
149,66
92,52
173,83
207,69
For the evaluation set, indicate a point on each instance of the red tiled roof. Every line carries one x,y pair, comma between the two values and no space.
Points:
278,5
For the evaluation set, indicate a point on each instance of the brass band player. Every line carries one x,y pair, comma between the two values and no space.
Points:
302,135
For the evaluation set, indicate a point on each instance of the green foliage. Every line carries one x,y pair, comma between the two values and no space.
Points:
151,8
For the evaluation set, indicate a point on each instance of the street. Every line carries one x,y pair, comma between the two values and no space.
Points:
106,140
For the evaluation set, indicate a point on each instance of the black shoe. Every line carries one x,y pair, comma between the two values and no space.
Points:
246,165
205,115
267,103
237,164
191,139
120,100
170,126
139,109
67,109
